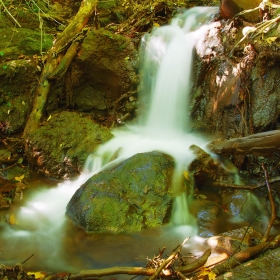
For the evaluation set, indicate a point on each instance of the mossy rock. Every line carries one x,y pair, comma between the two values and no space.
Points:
128,197
60,148
18,81
104,69
23,42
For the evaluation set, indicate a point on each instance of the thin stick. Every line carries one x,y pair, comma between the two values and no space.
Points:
168,260
272,205
27,259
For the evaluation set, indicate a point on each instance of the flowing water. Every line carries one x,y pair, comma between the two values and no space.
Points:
163,125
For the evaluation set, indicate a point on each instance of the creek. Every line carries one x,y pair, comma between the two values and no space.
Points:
40,226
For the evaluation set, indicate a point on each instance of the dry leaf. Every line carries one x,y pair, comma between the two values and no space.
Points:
20,178
38,275
207,272
270,40
186,174
13,220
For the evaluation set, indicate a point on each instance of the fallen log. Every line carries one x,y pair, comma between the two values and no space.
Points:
260,142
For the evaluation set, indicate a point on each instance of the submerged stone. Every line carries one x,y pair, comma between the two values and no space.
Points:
128,197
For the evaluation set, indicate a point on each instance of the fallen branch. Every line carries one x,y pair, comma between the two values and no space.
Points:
84,274
260,142
234,186
195,264
244,256
260,184
65,62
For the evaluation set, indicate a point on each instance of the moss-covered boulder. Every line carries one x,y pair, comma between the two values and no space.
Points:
59,148
125,198
18,81
103,70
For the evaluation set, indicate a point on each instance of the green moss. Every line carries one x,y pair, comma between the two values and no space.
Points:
107,4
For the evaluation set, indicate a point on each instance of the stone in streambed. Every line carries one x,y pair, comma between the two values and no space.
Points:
128,197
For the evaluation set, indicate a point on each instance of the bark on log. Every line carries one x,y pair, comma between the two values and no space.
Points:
260,142
85,12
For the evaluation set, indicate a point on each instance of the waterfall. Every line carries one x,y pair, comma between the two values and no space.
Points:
163,125
166,82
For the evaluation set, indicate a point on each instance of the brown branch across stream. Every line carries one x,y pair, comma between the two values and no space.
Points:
153,272
264,141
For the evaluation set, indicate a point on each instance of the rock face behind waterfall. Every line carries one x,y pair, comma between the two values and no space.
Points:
236,92
127,197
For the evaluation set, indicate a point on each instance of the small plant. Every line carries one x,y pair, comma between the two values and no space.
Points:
1,53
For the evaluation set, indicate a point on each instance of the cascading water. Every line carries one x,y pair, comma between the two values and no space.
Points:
162,125
165,87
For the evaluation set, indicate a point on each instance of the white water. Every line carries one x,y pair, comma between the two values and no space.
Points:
163,126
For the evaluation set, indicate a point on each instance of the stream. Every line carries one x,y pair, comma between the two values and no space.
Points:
40,226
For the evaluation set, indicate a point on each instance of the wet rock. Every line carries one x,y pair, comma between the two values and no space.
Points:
206,169
235,240
235,92
127,197
208,215
265,94
59,148
245,206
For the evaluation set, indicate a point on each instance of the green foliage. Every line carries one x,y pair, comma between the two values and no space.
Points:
2,53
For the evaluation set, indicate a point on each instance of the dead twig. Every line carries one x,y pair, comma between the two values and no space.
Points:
27,259
272,205
168,261
234,186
